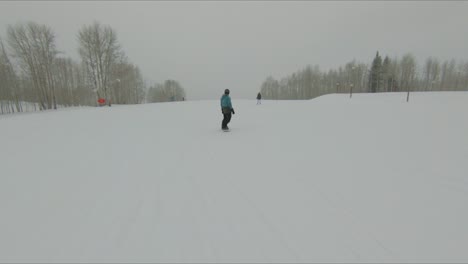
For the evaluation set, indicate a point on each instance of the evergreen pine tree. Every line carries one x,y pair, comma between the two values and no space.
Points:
375,75
386,75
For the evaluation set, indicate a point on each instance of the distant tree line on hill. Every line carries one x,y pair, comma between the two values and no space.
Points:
35,75
169,91
387,75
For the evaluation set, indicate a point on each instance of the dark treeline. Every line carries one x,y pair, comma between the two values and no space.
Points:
34,75
383,75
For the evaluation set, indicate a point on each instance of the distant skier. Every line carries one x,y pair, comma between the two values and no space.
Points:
226,109
259,98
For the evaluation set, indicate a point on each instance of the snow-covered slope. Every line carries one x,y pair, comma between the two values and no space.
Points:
333,179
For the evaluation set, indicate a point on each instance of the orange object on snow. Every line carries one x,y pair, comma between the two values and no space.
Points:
102,101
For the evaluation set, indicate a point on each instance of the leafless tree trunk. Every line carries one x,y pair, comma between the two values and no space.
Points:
34,46
408,69
9,96
99,50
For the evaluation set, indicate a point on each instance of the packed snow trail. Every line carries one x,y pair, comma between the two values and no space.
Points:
367,179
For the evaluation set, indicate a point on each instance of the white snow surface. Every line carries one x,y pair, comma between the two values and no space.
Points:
333,179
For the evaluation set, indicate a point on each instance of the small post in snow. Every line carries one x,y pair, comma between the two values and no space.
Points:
407,97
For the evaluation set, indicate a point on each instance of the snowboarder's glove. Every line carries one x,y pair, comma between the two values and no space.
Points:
232,110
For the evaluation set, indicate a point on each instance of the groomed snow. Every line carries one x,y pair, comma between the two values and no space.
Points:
334,179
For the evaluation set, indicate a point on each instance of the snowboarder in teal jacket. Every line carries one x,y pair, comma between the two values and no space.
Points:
226,109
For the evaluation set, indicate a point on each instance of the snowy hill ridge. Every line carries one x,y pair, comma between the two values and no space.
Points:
334,179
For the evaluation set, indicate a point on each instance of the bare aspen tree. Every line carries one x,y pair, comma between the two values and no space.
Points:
127,83
465,76
431,73
9,94
361,74
64,81
99,50
408,72
34,47
71,83
459,77
140,86
270,89
448,75
435,73
428,73
168,91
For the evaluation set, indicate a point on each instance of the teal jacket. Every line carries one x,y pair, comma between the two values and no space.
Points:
226,102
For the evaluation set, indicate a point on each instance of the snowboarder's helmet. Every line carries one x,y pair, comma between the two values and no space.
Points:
226,91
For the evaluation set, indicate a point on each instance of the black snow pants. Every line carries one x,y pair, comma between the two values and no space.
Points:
226,120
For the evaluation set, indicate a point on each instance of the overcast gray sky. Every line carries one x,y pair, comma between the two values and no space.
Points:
209,46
